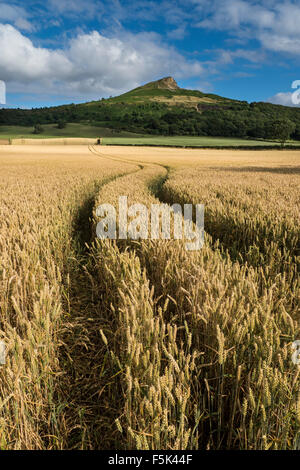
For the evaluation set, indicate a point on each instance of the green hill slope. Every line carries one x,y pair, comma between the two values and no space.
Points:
163,108
167,91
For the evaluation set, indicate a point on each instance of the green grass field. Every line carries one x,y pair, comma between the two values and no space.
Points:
51,131
190,141
112,137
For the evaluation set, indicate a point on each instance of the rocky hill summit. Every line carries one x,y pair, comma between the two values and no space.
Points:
166,83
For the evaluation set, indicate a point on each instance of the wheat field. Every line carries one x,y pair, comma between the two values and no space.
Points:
140,344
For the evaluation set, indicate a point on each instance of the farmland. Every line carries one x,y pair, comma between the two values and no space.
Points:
84,130
113,137
161,108
186,141
121,344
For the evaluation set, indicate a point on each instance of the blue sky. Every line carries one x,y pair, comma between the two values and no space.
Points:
62,51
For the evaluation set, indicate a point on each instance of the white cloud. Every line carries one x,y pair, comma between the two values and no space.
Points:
282,98
15,15
227,56
279,43
91,64
274,23
21,61
75,7
178,33
119,11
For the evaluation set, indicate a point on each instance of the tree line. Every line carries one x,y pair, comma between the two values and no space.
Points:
243,120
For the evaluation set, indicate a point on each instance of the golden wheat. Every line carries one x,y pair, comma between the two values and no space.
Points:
40,202
142,344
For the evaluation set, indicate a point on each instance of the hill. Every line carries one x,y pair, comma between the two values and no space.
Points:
161,107
167,91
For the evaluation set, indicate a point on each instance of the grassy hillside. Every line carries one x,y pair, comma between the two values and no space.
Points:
166,91
159,108
170,97
71,130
